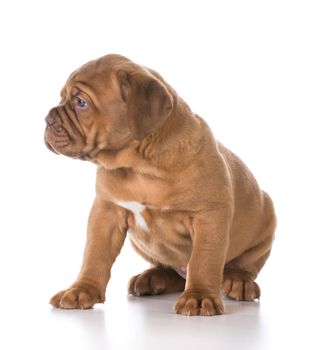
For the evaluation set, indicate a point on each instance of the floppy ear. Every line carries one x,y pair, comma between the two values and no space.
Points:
147,99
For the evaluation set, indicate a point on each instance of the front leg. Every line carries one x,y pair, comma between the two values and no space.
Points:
107,228
205,269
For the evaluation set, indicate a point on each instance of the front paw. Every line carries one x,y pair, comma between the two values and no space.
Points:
78,296
193,303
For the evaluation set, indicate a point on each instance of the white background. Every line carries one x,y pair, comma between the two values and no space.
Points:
253,70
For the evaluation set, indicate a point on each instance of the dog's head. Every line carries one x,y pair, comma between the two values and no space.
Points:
105,105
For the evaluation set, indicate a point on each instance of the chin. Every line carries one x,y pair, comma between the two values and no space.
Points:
50,147
64,147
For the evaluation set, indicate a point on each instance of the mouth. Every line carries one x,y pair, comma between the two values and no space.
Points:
52,149
56,138
62,144
62,135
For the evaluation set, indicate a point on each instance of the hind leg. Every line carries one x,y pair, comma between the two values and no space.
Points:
240,273
239,277
156,280
239,281
239,285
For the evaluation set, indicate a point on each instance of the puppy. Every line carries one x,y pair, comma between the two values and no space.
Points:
189,205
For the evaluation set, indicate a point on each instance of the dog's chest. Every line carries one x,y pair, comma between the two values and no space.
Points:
144,216
156,227
159,233
136,209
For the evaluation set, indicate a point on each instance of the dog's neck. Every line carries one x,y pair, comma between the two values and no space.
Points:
169,148
171,145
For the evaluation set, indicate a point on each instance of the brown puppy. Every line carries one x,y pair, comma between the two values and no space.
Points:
191,207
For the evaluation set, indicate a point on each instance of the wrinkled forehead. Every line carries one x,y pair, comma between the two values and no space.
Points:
88,71
92,74
98,75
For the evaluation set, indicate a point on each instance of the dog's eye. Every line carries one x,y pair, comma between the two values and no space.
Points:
80,103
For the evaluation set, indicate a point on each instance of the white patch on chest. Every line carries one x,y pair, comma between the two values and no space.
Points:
136,208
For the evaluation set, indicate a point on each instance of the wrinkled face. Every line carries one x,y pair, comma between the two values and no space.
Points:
90,117
104,106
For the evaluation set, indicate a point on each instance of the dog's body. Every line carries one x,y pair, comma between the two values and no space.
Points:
191,207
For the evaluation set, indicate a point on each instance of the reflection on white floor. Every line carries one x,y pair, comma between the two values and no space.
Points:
281,320
149,323
126,322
